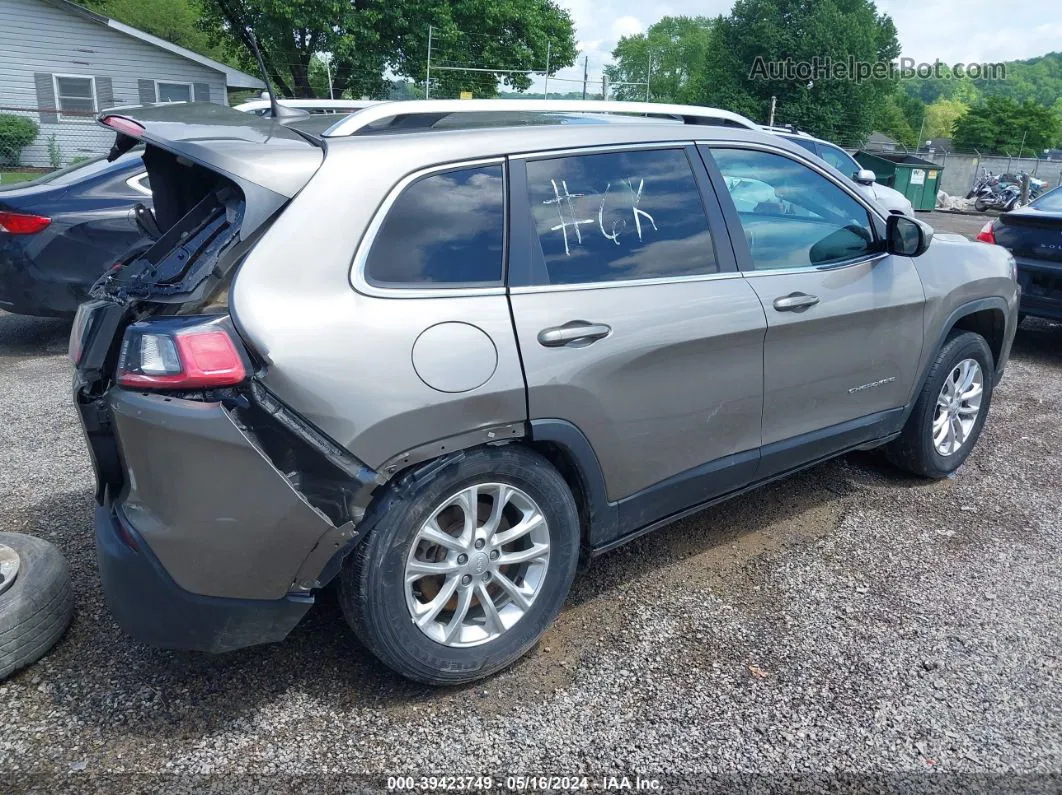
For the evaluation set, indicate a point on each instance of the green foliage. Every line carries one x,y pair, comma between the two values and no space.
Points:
941,117
175,21
16,133
369,36
839,110
678,50
709,62
890,120
1000,125
55,152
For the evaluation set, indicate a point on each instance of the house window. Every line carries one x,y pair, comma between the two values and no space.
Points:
75,97
173,92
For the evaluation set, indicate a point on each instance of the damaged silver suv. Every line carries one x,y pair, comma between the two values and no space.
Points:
437,351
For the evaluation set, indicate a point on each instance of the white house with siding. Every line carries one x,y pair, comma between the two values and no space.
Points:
60,64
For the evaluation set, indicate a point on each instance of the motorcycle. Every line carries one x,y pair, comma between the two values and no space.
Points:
1003,192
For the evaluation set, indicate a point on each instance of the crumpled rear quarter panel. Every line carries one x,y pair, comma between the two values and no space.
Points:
216,513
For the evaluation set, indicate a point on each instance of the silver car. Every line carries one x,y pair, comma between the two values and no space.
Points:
889,198
436,352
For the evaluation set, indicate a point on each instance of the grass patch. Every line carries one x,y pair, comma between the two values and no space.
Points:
11,177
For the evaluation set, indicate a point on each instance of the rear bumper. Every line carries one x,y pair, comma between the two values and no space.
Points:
151,607
1041,288
26,289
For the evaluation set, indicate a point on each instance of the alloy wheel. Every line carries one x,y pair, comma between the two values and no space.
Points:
958,406
477,564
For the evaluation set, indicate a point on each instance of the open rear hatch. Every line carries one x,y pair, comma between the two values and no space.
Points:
218,177
158,320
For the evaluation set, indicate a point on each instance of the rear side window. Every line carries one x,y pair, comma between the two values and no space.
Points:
618,216
444,230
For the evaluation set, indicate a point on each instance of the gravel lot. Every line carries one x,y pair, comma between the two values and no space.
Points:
849,619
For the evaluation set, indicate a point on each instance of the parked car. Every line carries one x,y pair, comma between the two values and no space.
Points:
889,198
437,365
60,232
1033,234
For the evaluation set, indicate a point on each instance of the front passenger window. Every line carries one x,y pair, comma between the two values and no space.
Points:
792,216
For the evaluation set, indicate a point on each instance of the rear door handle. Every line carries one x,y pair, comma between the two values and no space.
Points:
575,333
795,302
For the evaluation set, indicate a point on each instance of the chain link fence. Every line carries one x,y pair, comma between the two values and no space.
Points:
36,140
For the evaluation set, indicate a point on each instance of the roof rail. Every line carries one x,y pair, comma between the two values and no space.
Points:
307,104
437,108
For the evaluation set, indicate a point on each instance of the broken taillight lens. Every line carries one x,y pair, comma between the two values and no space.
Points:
22,223
185,354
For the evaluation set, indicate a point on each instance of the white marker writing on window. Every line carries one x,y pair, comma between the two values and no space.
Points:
560,201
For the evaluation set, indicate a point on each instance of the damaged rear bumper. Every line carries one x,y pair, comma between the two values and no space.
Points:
151,607
206,544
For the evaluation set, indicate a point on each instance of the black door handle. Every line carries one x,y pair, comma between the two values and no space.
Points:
795,302
576,334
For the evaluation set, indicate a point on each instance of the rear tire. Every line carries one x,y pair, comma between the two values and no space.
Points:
939,409
380,589
36,607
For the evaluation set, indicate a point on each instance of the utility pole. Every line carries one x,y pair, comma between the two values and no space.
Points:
427,77
586,67
648,77
545,93
921,127
770,119
604,87
328,66
1022,143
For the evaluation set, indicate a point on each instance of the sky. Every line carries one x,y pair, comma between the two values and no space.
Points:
954,31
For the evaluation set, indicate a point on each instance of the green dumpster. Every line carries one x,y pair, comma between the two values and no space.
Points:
915,178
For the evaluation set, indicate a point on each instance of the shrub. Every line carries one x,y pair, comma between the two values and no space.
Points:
55,151
16,133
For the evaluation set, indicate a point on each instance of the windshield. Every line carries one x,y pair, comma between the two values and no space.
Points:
1050,202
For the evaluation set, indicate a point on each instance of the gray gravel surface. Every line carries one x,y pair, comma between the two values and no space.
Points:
850,619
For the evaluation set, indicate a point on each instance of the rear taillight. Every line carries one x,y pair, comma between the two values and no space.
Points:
987,233
180,354
22,223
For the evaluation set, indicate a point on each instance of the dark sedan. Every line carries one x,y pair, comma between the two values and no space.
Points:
1033,235
59,233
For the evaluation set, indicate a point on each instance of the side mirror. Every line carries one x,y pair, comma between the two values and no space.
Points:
907,237
865,176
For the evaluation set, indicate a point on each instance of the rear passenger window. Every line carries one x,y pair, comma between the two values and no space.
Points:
444,230
617,216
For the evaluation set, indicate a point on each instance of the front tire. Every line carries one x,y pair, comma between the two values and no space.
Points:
465,568
950,410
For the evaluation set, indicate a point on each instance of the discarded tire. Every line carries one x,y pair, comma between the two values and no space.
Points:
35,600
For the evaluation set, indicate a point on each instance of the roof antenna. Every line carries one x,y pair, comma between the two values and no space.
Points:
277,111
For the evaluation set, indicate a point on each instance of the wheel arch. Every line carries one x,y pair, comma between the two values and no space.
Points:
985,316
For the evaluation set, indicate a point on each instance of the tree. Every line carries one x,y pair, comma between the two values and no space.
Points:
891,121
175,21
941,117
1002,125
367,37
676,48
799,31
